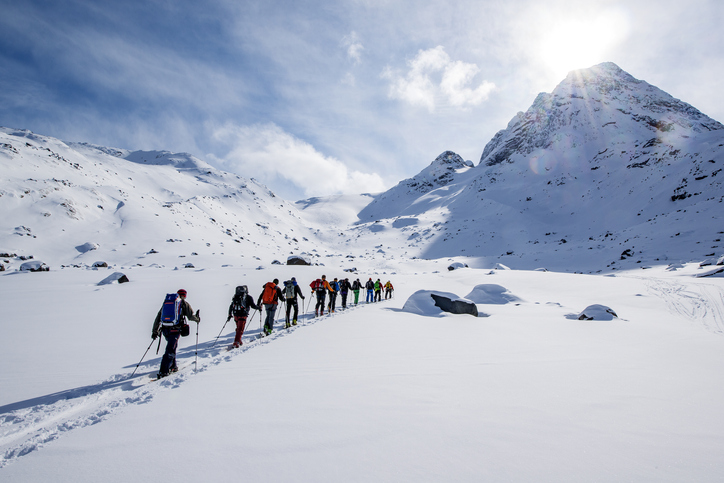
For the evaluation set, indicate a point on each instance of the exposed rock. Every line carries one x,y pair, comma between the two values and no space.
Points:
34,266
116,277
298,260
457,306
456,266
597,312
100,264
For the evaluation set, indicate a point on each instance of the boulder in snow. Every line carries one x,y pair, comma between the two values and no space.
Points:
298,260
455,305
597,312
115,277
276,262
456,266
34,266
716,272
491,294
100,264
421,303
87,247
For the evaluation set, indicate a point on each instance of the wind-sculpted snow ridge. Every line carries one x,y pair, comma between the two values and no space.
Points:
27,426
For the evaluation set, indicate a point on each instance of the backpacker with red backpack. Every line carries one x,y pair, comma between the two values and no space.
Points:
317,285
269,296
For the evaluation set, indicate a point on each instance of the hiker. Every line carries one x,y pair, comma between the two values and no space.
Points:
174,320
344,288
239,309
270,297
370,286
291,290
388,290
333,291
356,287
320,287
378,291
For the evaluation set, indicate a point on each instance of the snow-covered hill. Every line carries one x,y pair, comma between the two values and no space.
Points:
75,204
606,171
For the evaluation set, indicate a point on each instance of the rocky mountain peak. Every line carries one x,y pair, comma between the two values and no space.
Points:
587,107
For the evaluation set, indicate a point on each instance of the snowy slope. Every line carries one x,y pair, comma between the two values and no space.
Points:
603,166
134,208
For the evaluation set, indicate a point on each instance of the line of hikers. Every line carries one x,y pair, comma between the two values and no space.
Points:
171,319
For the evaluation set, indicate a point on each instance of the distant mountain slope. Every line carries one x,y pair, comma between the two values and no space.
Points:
605,167
126,205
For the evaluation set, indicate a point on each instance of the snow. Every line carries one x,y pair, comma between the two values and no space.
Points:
373,392
395,390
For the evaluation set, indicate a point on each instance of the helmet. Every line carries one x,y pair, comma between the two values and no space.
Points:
182,292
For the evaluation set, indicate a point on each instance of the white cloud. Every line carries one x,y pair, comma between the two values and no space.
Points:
434,78
354,47
266,152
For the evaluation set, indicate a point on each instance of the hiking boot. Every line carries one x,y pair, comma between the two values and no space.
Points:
294,322
173,369
161,374
287,325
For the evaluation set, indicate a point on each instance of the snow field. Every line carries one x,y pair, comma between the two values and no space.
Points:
371,393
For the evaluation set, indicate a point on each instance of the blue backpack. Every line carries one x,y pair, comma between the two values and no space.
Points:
171,310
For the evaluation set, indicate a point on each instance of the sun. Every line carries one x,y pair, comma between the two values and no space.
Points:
581,41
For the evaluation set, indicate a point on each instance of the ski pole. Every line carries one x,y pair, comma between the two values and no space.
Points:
144,356
159,345
196,361
222,329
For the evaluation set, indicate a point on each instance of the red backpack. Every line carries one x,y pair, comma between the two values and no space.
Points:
317,285
270,292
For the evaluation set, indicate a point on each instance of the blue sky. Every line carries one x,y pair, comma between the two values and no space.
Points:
314,97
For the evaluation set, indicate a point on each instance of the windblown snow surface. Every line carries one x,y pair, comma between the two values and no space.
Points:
395,390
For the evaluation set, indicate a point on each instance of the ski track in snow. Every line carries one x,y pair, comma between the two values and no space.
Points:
28,429
700,303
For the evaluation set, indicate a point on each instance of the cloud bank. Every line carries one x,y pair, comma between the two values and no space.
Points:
267,153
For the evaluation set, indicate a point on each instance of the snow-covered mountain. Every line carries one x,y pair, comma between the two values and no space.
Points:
76,204
605,171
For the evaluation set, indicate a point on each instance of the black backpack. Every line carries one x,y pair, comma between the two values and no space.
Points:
238,303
